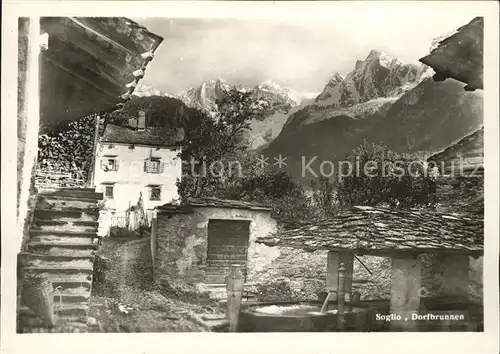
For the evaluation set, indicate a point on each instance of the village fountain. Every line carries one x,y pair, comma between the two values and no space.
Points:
309,316
401,236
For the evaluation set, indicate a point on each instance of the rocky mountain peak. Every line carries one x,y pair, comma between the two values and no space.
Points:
205,95
336,78
383,59
378,76
146,91
374,53
269,84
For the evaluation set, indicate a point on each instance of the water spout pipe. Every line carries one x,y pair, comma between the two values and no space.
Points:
325,303
341,297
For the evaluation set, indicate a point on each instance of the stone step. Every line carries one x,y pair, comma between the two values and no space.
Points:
33,246
78,222
66,328
57,257
224,263
80,294
74,193
37,321
75,310
63,251
35,232
67,214
75,268
57,202
72,295
64,265
62,240
211,324
92,190
65,225
35,325
70,281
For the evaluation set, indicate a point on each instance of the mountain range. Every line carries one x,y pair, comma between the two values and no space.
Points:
382,100
283,101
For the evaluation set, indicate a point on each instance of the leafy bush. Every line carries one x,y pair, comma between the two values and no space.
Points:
397,180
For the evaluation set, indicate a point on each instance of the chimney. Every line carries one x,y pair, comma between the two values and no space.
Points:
141,121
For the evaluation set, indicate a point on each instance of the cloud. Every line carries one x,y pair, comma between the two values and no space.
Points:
300,54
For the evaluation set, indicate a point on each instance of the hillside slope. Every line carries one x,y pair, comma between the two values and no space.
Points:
383,101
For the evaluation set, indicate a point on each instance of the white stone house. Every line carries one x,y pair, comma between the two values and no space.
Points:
135,163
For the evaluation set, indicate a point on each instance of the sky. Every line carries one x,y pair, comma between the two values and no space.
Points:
302,55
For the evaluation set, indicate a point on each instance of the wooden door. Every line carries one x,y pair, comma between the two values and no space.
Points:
227,245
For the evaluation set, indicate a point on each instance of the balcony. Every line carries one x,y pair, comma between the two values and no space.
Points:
154,166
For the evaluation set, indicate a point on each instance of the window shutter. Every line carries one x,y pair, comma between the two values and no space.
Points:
145,165
103,165
117,164
161,168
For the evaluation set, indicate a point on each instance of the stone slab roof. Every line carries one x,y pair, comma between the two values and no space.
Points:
154,136
466,155
460,56
378,231
226,203
211,203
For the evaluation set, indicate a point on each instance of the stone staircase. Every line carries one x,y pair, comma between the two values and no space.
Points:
63,239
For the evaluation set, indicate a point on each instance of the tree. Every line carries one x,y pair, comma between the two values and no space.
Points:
325,197
273,187
210,143
374,175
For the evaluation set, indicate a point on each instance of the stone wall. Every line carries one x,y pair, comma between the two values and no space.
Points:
182,241
300,274
28,118
463,195
22,117
180,250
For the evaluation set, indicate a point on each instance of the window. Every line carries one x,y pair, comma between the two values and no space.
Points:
153,165
109,163
108,191
155,193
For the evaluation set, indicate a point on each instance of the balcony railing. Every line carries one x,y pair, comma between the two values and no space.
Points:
153,166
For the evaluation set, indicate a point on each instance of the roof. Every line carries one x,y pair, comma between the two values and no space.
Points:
91,65
369,230
227,203
213,203
465,155
152,136
460,56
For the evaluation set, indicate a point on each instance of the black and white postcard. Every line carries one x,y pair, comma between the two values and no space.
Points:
310,175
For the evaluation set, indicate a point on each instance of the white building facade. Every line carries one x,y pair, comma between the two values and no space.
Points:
136,170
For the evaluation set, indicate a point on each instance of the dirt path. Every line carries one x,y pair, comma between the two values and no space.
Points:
133,305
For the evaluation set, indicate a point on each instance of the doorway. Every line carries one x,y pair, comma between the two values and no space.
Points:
227,245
